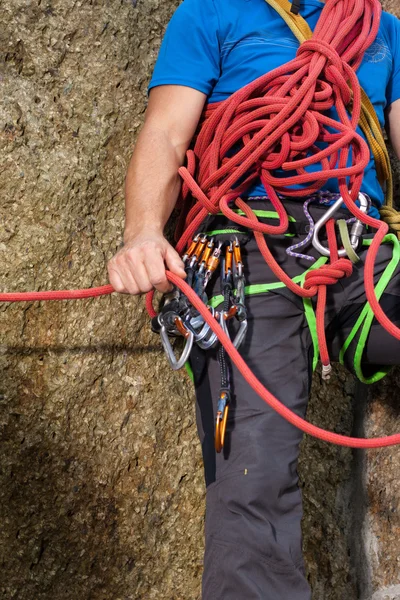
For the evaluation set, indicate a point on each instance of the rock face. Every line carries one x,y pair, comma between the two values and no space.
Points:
101,486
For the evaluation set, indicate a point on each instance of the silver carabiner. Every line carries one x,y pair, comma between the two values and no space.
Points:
175,363
240,334
205,338
239,337
356,230
222,322
210,341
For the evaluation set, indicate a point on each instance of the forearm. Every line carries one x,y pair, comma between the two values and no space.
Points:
152,182
152,186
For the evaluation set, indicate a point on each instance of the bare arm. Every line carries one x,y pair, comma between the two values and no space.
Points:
393,122
152,186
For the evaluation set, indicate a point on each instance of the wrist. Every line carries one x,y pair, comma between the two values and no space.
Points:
134,230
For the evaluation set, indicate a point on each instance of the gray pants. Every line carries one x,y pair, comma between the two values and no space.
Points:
254,510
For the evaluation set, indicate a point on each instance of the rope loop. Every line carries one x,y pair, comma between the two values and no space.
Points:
197,192
335,76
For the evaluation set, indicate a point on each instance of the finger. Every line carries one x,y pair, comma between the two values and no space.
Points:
174,262
129,282
115,280
156,273
138,271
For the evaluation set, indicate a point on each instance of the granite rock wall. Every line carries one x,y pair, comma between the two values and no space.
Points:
101,486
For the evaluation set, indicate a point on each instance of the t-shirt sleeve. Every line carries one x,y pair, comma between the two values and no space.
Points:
393,88
190,51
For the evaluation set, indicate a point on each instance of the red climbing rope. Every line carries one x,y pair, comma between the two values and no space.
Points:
281,121
104,290
286,413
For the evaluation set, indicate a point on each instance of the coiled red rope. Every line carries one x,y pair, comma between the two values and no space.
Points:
277,122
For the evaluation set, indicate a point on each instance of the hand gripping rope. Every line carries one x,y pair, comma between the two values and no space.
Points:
277,122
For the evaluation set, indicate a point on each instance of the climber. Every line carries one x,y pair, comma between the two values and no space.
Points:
211,49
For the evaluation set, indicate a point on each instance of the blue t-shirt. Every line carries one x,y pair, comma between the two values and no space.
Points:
219,46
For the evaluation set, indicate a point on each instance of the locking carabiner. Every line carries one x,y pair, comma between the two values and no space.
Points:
221,419
356,230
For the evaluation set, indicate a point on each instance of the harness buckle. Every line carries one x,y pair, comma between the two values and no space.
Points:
356,230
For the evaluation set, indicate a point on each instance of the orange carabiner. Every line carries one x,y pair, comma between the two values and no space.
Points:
190,251
220,425
213,260
238,256
232,312
207,252
181,328
228,260
200,247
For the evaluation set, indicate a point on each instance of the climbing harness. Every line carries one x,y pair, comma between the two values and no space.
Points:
273,129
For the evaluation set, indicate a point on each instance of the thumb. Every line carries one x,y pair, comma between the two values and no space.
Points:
174,262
